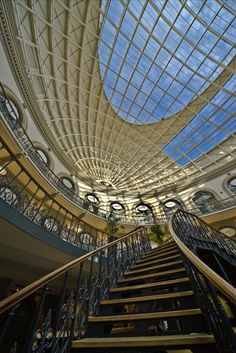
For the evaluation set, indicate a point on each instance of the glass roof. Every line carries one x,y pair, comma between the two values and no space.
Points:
157,56
212,125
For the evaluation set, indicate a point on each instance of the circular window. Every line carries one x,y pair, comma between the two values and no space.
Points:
170,204
143,208
68,183
12,109
117,206
228,231
92,198
233,182
3,170
232,185
43,155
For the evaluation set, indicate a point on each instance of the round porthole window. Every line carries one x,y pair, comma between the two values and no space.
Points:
92,198
117,206
143,208
228,231
43,155
68,183
232,185
12,109
3,170
170,204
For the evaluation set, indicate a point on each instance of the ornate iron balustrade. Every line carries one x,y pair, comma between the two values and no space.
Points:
30,152
214,293
22,192
47,315
211,300
195,233
215,206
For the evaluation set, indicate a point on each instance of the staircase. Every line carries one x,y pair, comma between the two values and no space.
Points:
151,310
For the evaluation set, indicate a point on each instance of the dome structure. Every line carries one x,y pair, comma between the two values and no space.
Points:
140,94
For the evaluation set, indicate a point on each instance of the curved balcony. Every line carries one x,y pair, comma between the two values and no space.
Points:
22,192
8,113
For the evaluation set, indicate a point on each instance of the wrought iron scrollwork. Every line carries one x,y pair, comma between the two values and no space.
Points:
212,309
43,337
195,233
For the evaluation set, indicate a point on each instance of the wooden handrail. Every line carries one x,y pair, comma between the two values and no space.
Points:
11,301
227,289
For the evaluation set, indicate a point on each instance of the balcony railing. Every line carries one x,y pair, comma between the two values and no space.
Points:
22,138
21,191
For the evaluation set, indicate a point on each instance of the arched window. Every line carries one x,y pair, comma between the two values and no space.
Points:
91,204
231,184
117,210
144,212
143,208
170,206
204,200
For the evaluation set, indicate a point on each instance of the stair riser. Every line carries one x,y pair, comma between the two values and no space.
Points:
147,307
150,327
162,248
158,256
179,287
156,262
152,279
159,252
162,267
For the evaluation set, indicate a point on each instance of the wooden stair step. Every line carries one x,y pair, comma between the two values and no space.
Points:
156,261
150,285
145,341
146,316
175,251
162,248
146,298
163,251
146,269
152,275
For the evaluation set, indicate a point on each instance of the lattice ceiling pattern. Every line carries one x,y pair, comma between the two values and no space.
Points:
82,77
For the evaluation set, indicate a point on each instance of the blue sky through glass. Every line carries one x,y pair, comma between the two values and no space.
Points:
214,123
156,57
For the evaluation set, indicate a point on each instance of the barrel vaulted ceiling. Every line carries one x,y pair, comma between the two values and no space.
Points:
138,93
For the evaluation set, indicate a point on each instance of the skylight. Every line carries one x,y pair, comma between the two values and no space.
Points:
214,123
157,56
